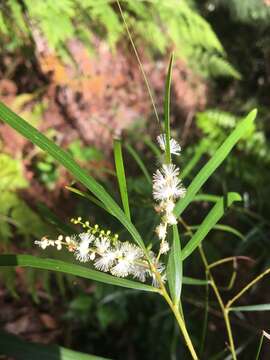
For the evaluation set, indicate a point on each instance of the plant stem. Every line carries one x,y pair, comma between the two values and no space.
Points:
249,285
181,324
221,304
176,312
217,293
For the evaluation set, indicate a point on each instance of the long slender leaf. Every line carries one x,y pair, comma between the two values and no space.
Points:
73,269
167,99
174,267
260,307
121,176
152,146
194,160
195,282
13,346
259,346
206,197
88,197
67,161
225,228
214,162
140,163
263,335
209,222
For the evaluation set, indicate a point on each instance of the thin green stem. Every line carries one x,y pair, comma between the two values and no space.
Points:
176,312
228,259
260,346
139,61
246,288
220,301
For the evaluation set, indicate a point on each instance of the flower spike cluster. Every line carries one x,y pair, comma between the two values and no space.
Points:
167,188
107,253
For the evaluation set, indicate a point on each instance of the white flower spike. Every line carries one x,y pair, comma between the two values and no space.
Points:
175,148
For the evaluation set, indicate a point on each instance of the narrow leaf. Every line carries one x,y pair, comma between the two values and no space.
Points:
195,282
214,162
206,197
225,228
88,197
68,162
167,99
260,307
174,268
140,163
153,147
209,222
13,346
121,176
72,269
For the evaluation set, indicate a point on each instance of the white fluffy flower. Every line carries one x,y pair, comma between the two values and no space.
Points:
131,252
170,219
164,247
161,231
169,206
166,183
175,148
102,244
140,272
82,251
105,261
122,268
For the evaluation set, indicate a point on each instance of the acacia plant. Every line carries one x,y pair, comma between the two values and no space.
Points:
156,269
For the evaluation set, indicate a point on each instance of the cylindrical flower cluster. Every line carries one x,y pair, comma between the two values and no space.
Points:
107,253
167,188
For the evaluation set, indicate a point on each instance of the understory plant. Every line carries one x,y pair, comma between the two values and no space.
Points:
129,262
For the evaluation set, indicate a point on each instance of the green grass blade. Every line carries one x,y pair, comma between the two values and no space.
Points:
174,268
167,99
195,282
214,162
72,269
153,147
121,176
139,161
225,228
206,197
260,307
194,160
67,161
259,346
88,197
11,345
209,222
